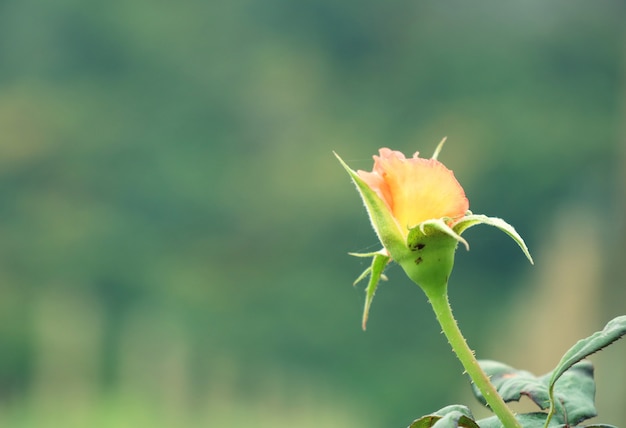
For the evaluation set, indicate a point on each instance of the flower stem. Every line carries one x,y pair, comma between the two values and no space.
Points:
440,304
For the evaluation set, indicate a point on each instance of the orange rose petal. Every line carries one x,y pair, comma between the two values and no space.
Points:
415,189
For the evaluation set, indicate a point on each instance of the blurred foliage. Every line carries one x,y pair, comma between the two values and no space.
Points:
174,227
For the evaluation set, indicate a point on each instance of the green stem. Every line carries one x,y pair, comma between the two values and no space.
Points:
443,311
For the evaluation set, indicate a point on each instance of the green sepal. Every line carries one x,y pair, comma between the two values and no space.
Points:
474,219
375,272
430,258
372,254
383,222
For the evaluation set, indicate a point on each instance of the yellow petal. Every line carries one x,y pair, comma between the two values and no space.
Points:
415,189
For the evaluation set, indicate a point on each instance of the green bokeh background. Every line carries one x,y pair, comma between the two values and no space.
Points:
174,228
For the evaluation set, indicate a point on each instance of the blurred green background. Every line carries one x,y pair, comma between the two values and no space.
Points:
174,228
